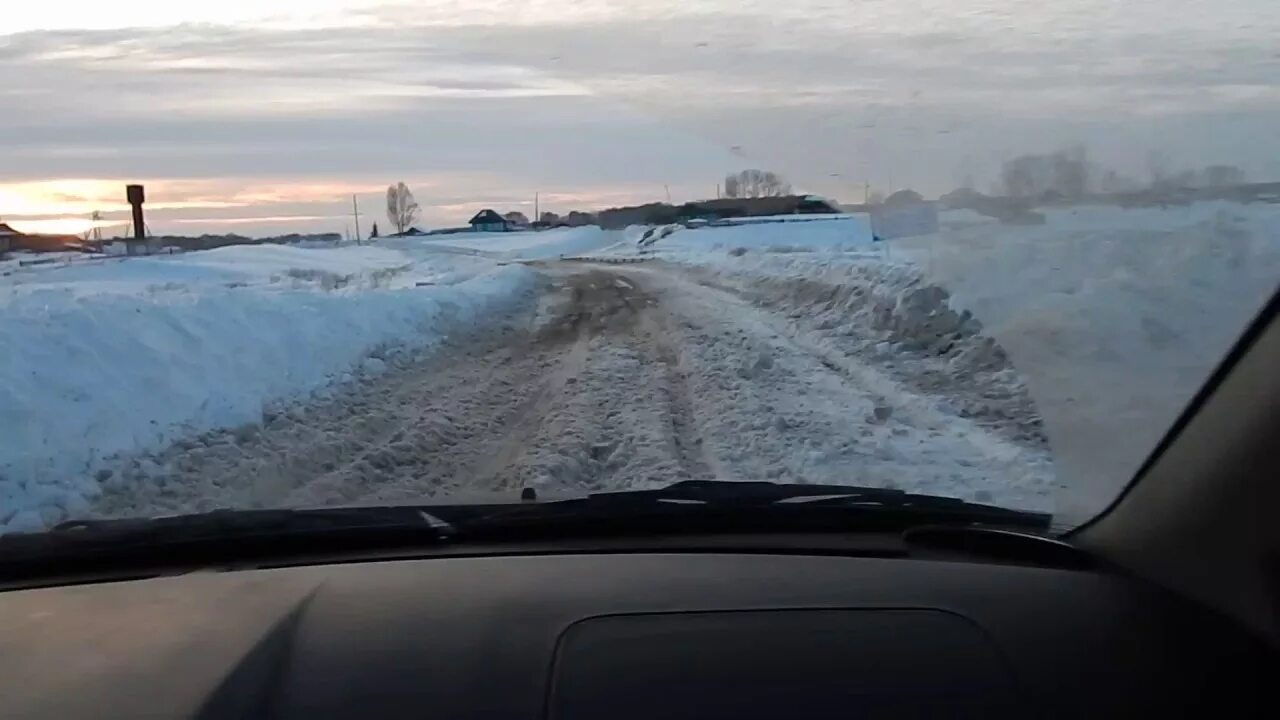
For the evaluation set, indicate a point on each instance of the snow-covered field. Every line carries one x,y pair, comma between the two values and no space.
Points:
1027,365
119,356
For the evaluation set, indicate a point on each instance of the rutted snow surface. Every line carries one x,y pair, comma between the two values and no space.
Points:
625,378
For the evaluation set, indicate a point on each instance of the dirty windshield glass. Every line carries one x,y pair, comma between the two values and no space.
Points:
298,254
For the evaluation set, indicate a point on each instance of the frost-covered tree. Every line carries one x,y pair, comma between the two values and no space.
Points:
402,209
1221,176
1064,173
756,184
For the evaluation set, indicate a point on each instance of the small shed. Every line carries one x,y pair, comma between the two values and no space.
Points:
489,221
409,232
7,235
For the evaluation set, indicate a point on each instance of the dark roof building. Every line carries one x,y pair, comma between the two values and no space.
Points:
11,239
411,232
7,234
489,221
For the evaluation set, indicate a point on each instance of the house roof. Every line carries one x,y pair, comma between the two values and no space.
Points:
486,216
5,230
410,232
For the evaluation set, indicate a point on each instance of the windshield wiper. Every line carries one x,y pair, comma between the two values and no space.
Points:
229,538
764,506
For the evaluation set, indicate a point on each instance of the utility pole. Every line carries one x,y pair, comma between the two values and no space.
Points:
536,214
866,193
717,191
664,187
355,213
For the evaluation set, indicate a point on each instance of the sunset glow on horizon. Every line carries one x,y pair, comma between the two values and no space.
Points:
65,206
270,109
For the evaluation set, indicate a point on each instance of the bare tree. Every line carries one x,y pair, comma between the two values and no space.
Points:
756,184
402,209
731,186
1222,176
550,218
1157,167
1064,173
516,217
578,219
1018,175
1071,171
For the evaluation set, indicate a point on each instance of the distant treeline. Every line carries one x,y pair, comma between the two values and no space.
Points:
1018,209
666,214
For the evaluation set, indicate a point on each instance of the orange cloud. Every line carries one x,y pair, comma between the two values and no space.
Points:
80,196
60,226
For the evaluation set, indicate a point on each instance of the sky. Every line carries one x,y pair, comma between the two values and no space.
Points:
266,116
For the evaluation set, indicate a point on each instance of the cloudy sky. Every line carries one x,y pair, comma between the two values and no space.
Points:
265,116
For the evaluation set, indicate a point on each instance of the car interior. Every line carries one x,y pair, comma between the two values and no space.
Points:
1166,605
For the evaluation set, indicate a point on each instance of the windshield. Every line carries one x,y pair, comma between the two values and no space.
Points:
281,254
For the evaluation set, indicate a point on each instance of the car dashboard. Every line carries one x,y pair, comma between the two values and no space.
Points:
706,632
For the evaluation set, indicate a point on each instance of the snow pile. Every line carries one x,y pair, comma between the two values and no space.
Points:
547,244
1116,317
1112,317
797,407
239,265
862,306
785,233
126,356
806,217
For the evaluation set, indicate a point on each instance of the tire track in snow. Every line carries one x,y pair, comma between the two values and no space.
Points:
777,406
688,443
508,451
622,419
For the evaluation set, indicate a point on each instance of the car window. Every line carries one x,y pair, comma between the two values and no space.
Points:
287,254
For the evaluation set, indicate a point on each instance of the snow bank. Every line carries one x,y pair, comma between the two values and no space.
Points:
530,245
1115,317
127,356
865,307
800,233
237,265
793,217
1112,317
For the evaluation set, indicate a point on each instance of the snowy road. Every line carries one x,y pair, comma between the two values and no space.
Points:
623,376
430,369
